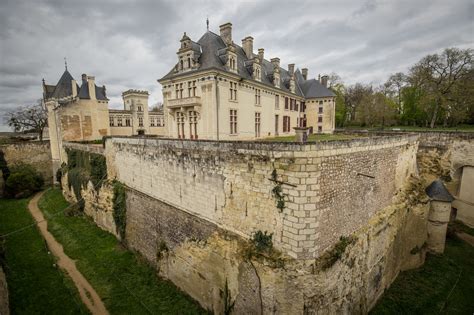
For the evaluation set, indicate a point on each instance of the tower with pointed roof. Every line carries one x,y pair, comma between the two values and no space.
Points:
222,91
75,113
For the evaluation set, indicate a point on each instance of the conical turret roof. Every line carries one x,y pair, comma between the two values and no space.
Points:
437,191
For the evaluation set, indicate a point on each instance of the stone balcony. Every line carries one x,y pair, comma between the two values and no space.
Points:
178,103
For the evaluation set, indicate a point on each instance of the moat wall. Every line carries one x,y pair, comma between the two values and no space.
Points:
192,206
37,154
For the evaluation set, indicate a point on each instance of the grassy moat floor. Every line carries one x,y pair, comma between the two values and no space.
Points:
127,285
443,285
124,281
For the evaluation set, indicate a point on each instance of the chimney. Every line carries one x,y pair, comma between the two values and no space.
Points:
291,69
226,33
260,54
324,80
247,45
74,88
91,86
276,63
304,72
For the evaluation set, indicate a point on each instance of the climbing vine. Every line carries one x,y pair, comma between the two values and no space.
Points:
277,192
120,209
81,168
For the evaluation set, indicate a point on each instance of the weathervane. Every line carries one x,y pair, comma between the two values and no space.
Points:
65,63
207,23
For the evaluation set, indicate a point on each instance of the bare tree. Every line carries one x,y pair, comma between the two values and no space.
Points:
438,75
28,118
157,107
396,82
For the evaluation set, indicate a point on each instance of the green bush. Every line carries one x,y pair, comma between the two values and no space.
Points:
24,180
120,209
262,241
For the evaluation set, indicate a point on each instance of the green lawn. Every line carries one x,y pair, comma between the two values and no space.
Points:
464,128
313,138
126,284
443,285
35,285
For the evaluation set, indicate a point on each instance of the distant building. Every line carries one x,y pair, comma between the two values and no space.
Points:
220,90
81,113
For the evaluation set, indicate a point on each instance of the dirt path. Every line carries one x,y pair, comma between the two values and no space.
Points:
466,237
88,295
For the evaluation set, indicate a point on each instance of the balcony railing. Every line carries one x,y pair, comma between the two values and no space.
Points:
184,102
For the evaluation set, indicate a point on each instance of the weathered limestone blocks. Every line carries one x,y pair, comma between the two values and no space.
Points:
329,189
38,154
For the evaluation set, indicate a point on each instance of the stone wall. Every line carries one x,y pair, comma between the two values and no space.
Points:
331,188
37,154
201,258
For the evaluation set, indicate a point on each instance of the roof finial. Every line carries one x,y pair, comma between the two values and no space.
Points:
65,63
207,23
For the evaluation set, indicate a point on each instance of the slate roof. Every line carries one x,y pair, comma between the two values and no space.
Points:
437,191
212,48
64,89
64,86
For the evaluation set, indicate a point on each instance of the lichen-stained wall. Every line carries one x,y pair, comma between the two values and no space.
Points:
38,154
331,188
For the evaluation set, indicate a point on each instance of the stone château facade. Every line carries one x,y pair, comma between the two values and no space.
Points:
222,91
81,113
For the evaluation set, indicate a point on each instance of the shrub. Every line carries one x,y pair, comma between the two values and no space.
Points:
23,181
330,257
262,241
120,209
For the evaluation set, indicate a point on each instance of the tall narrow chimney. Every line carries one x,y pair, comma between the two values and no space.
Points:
304,72
324,80
247,45
91,86
261,54
74,88
276,63
226,33
291,68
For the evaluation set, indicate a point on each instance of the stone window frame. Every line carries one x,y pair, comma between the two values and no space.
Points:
233,121
111,121
258,117
257,97
277,101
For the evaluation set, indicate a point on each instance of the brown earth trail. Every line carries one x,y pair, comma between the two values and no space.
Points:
88,295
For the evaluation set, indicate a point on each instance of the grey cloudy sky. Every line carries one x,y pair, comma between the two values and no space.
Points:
130,44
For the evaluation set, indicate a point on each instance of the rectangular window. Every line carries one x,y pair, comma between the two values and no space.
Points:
140,121
257,97
177,90
286,103
119,121
320,110
286,123
193,124
296,106
233,121
180,123
181,90
277,101
111,121
191,88
152,121
276,125
257,125
303,107
233,91
320,119
127,122
320,129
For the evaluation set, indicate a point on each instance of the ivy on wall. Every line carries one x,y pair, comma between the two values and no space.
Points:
277,192
81,168
120,209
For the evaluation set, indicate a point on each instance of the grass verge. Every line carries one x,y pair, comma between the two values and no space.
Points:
313,138
35,285
443,285
124,281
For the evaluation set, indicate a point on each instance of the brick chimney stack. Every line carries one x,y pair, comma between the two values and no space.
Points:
226,33
247,45
261,54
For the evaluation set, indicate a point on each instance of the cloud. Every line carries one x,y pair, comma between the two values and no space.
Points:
130,44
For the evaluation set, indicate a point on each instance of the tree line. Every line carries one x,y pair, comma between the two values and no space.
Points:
436,91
